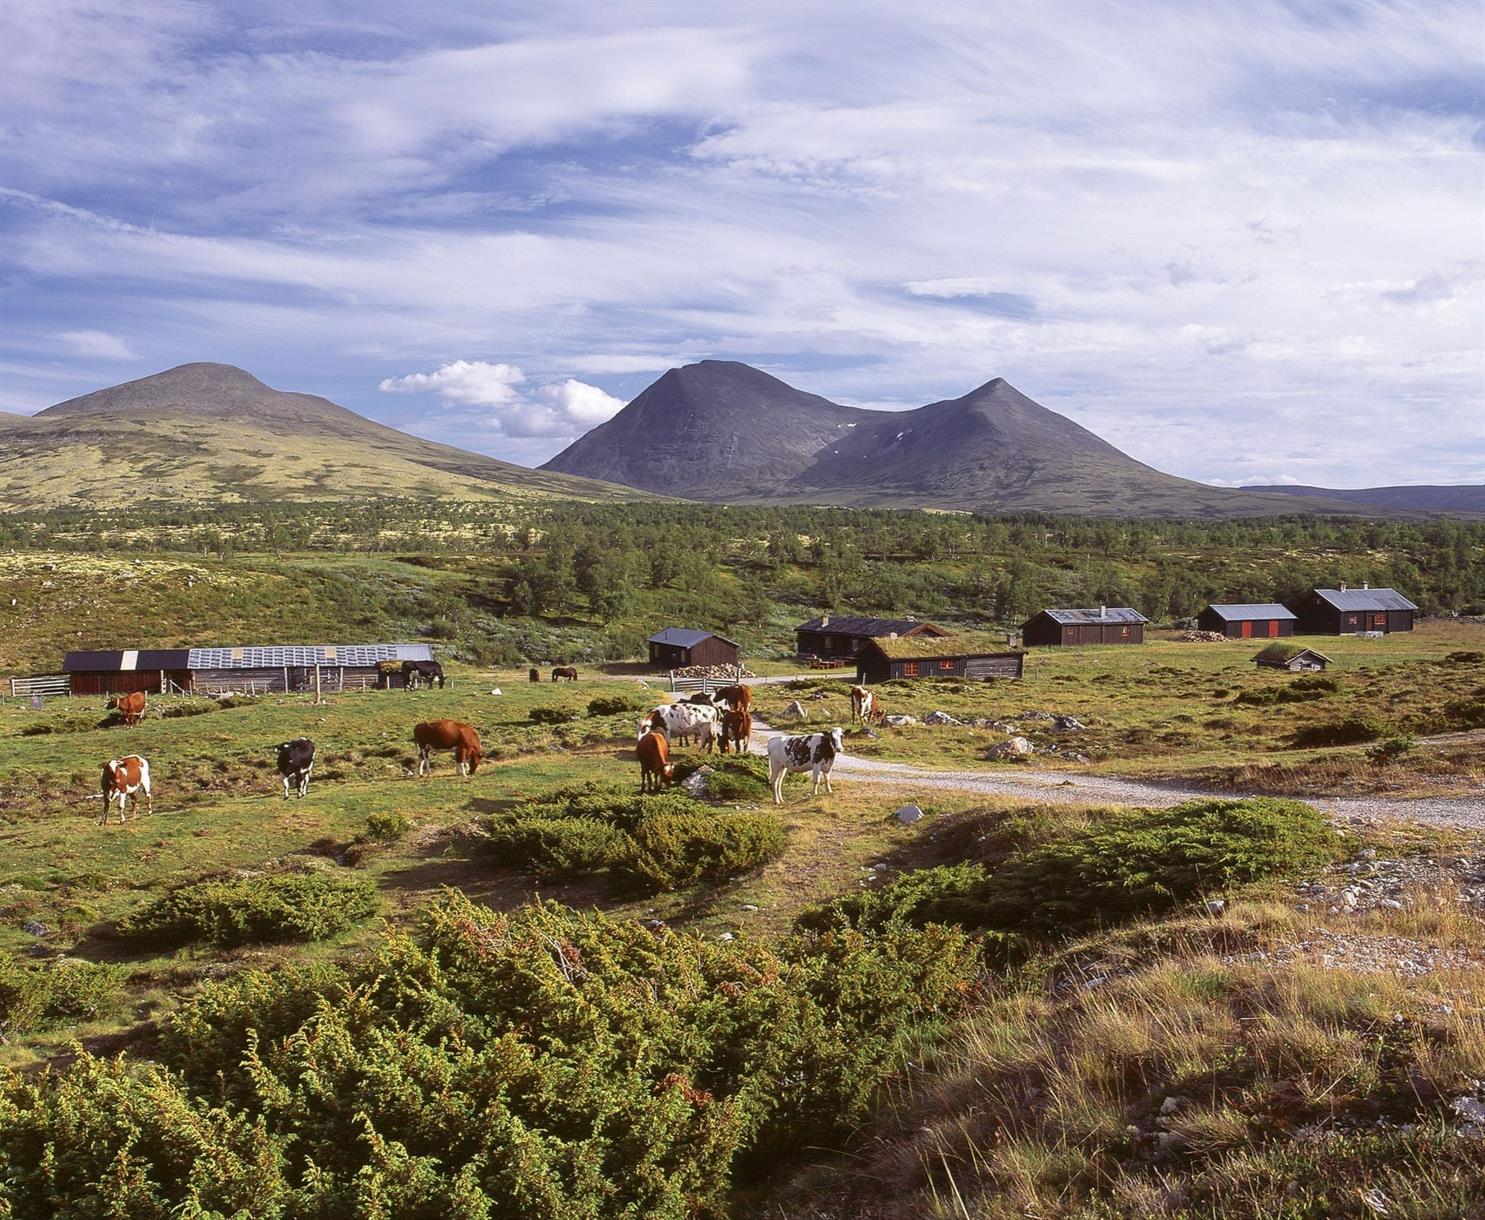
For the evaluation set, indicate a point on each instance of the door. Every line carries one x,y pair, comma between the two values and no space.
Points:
1247,630
1273,628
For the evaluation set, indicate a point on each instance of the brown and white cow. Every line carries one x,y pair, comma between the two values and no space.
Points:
123,778
130,706
863,704
655,768
452,735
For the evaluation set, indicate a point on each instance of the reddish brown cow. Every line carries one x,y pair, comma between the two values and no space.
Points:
655,770
123,778
452,735
130,705
737,728
739,698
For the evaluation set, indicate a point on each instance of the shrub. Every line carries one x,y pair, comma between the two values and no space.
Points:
672,851
193,707
1390,749
1464,656
1148,860
1346,732
385,827
614,705
64,991
557,848
1303,689
249,910
551,715
1466,713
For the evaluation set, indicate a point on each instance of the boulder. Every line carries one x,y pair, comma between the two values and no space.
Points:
796,711
897,722
1035,716
32,928
497,691
940,718
1013,747
1066,724
909,814
696,783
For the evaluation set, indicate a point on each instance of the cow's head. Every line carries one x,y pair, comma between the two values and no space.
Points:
837,744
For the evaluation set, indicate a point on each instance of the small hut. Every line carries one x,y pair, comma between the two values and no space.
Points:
976,658
1292,657
682,647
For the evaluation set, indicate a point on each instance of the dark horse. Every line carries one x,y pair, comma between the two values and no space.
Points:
533,675
417,673
564,671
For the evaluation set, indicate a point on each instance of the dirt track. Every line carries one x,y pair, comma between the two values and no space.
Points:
1064,788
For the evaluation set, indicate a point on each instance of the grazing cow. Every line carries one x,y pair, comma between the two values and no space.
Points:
737,729
564,671
123,778
533,675
738,697
809,752
417,673
296,759
655,769
863,704
682,721
452,735
131,706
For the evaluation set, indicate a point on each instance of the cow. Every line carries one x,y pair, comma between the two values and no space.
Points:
452,735
739,697
808,752
655,769
123,778
296,759
737,729
863,704
682,721
418,673
564,671
130,706
533,675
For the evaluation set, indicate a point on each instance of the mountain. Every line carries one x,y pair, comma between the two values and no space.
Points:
719,430
1456,499
213,432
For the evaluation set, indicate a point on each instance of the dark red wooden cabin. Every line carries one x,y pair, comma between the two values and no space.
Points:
1248,621
682,647
1347,611
1074,628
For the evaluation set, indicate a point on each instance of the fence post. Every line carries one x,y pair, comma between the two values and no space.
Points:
317,685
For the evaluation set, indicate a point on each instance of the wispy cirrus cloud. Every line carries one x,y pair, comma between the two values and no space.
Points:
1191,228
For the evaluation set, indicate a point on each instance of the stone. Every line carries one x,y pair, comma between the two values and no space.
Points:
725,936
898,722
497,691
32,928
909,814
696,783
1392,904
1067,724
1013,747
796,711
940,718
1171,1104
750,906
1216,906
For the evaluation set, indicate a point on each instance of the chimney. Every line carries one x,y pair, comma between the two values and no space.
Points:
891,635
1343,586
824,620
1103,612
1364,585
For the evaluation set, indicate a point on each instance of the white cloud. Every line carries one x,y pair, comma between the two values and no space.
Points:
98,343
463,381
580,402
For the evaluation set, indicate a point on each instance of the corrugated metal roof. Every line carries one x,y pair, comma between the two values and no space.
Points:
124,660
1108,614
1254,610
271,656
1366,599
686,637
861,625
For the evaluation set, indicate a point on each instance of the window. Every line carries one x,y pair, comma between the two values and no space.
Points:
1124,633
947,665
910,669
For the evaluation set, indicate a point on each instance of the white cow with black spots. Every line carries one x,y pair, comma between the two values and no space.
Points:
806,752
682,721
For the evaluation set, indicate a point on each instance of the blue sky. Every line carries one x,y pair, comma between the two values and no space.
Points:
1243,242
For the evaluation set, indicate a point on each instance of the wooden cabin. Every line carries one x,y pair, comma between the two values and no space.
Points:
259,669
1248,621
682,647
1348,611
1292,657
976,658
830,637
1098,625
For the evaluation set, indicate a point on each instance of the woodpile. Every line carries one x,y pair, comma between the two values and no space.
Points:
1200,637
730,673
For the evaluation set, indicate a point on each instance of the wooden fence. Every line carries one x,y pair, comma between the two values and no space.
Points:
41,684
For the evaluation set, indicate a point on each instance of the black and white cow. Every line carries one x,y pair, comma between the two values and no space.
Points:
807,752
682,721
296,759
422,673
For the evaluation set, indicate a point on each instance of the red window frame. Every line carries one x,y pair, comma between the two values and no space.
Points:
910,669
947,665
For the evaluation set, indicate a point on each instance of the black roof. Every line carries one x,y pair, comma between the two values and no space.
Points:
861,625
113,661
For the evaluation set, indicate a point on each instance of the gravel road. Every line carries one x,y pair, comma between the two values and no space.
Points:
1064,788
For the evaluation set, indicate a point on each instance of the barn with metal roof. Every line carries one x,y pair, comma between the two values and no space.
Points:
1348,611
1248,620
1092,625
259,668
682,647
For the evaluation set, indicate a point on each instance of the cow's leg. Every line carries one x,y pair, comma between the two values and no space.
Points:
304,780
107,808
424,766
776,781
816,778
827,780
285,778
